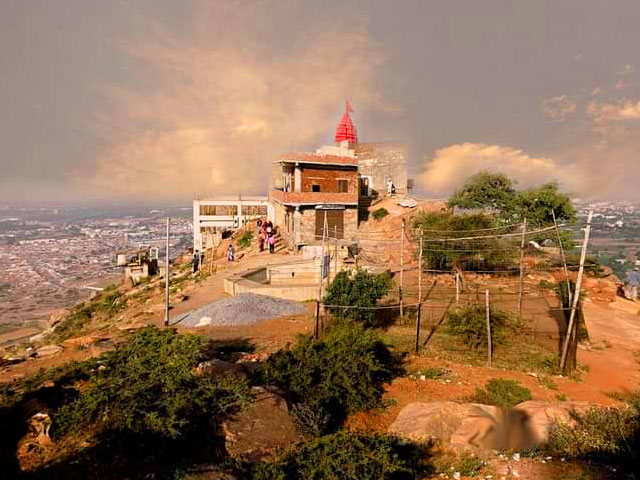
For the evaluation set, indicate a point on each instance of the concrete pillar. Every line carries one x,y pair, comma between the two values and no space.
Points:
197,236
297,178
297,226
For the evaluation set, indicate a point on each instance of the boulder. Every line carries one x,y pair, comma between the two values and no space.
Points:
215,367
48,350
262,429
537,417
483,427
462,424
57,317
81,341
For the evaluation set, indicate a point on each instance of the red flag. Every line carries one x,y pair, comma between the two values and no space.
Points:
349,107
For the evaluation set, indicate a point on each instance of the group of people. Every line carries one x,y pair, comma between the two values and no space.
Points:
266,234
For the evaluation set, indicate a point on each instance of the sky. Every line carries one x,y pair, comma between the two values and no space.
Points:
150,102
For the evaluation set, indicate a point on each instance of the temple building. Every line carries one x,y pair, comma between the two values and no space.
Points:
329,189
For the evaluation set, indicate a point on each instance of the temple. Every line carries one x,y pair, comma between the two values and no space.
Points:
333,187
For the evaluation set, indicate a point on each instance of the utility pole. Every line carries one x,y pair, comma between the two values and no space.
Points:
401,267
324,239
166,280
576,293
521,287
335,260
564,258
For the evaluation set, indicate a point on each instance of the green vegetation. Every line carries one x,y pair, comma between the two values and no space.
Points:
326,380
470,324
143,404
245,239
502,393
106,304
359,289
466,464
547,382
433,373
346,456
610,436
495,191
485,190
478,254
380,213
149,385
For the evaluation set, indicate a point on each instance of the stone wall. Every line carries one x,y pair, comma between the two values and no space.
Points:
381,161
308,224
328,179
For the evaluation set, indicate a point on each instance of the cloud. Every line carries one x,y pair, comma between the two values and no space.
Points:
607,112
451,165
558,109
217,107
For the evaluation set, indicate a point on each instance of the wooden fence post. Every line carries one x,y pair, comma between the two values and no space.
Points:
488,313
401,268
418,328
521,284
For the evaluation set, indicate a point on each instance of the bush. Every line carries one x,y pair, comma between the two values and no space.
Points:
470,255
380,213
470,324
347,456
148,385
466,464
107,303
358,289
326,380
608,435
245,239
502,393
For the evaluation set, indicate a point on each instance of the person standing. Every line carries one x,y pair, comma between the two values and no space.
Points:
631,284
272,242
231,254
259,225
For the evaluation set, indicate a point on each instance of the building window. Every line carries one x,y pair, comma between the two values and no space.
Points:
315,188
343,186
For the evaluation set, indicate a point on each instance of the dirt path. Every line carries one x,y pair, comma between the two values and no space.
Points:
615,325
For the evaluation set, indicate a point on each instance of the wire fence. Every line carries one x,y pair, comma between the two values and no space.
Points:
507,283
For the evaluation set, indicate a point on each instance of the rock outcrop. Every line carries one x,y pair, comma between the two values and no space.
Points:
483,427
262,429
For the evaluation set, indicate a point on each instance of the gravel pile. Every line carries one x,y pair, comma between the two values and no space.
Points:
243,309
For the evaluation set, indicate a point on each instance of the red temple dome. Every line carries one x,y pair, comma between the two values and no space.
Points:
345,129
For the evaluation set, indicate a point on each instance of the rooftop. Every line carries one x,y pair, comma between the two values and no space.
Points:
314,198
314,158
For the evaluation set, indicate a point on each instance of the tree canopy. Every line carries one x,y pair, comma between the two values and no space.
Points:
495,191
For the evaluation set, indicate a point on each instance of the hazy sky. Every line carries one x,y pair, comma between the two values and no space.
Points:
155,101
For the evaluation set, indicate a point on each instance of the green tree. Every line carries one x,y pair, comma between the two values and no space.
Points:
536,205
496,191
326,380
487,253
359,290
485,190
